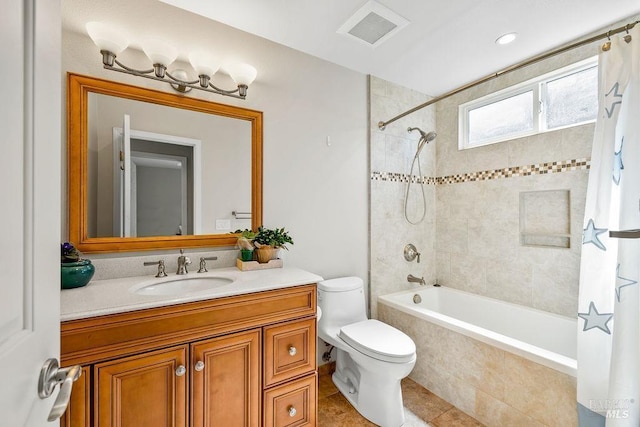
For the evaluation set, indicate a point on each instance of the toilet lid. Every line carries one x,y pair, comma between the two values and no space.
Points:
379,340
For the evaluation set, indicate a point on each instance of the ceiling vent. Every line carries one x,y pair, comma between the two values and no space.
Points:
373,24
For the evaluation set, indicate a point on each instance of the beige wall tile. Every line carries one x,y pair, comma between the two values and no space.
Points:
494,412
389,231
546,395
468,273
510,280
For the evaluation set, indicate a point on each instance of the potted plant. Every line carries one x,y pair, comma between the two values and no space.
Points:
268,243
74,271
245,243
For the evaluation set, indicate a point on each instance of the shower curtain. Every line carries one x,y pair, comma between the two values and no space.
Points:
609,301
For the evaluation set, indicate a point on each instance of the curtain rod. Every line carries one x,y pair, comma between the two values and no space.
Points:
608,34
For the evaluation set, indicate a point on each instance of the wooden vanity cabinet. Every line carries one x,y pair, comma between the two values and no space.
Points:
246,360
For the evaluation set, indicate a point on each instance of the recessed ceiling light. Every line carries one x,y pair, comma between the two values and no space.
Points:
506,38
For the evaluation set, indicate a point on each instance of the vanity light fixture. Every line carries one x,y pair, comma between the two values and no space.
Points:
161,54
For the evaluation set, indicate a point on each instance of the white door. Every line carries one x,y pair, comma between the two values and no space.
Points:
127,196
30,117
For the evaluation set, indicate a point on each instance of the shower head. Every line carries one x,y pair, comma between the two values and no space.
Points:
422,133
427,137
430,136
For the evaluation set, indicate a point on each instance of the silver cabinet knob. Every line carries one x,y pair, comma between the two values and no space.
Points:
292,411
199,365
292,351
181,370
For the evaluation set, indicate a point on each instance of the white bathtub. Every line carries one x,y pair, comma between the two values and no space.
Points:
545,338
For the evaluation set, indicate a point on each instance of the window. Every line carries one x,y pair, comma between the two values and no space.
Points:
563,98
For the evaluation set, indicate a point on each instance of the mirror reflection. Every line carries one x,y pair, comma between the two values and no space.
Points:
153,170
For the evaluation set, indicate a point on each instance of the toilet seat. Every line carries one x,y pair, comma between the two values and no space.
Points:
379,341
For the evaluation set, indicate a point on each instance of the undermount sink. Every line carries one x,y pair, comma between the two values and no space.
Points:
183,285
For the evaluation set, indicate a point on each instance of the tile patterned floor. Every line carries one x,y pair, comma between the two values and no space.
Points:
422,408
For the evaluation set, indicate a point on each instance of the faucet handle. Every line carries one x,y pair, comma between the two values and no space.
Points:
411,253
203,263
161,269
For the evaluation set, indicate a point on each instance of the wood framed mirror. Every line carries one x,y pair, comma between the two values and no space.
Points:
207,173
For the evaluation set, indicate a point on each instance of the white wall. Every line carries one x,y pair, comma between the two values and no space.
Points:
318,192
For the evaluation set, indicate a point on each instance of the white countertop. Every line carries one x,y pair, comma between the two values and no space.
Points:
102,297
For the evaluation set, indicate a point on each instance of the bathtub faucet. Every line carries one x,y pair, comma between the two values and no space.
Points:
413,279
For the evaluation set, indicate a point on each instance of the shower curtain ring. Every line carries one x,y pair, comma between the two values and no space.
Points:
627,38
607,45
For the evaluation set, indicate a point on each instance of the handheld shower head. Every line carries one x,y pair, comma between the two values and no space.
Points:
428,137
422,133
425,138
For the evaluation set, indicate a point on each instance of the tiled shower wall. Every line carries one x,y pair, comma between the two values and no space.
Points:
478,242
470,238
392,152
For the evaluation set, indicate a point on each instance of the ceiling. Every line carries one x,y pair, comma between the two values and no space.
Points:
445,44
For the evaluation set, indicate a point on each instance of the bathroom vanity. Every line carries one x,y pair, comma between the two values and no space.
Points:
240,354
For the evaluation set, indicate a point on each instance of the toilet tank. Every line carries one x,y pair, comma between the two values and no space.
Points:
342,302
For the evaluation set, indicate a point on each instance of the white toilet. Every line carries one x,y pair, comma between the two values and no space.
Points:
372,357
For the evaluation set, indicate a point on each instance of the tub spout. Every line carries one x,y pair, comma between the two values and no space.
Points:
412,279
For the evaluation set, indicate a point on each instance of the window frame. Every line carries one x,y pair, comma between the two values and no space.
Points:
537,86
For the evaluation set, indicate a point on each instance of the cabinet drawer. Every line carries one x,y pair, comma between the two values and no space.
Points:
291,404
290,350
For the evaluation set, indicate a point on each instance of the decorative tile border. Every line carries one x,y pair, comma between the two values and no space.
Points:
402,177
527,170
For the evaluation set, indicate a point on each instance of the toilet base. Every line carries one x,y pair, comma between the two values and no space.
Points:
377,398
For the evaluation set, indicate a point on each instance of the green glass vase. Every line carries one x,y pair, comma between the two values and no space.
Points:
76,274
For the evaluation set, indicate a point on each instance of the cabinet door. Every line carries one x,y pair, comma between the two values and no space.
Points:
78,413
147,390
226,381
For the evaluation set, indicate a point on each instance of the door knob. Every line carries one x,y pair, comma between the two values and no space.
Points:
199,365
181,370
51,375
292,351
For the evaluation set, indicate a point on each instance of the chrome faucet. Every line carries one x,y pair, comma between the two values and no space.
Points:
413,279
183,261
